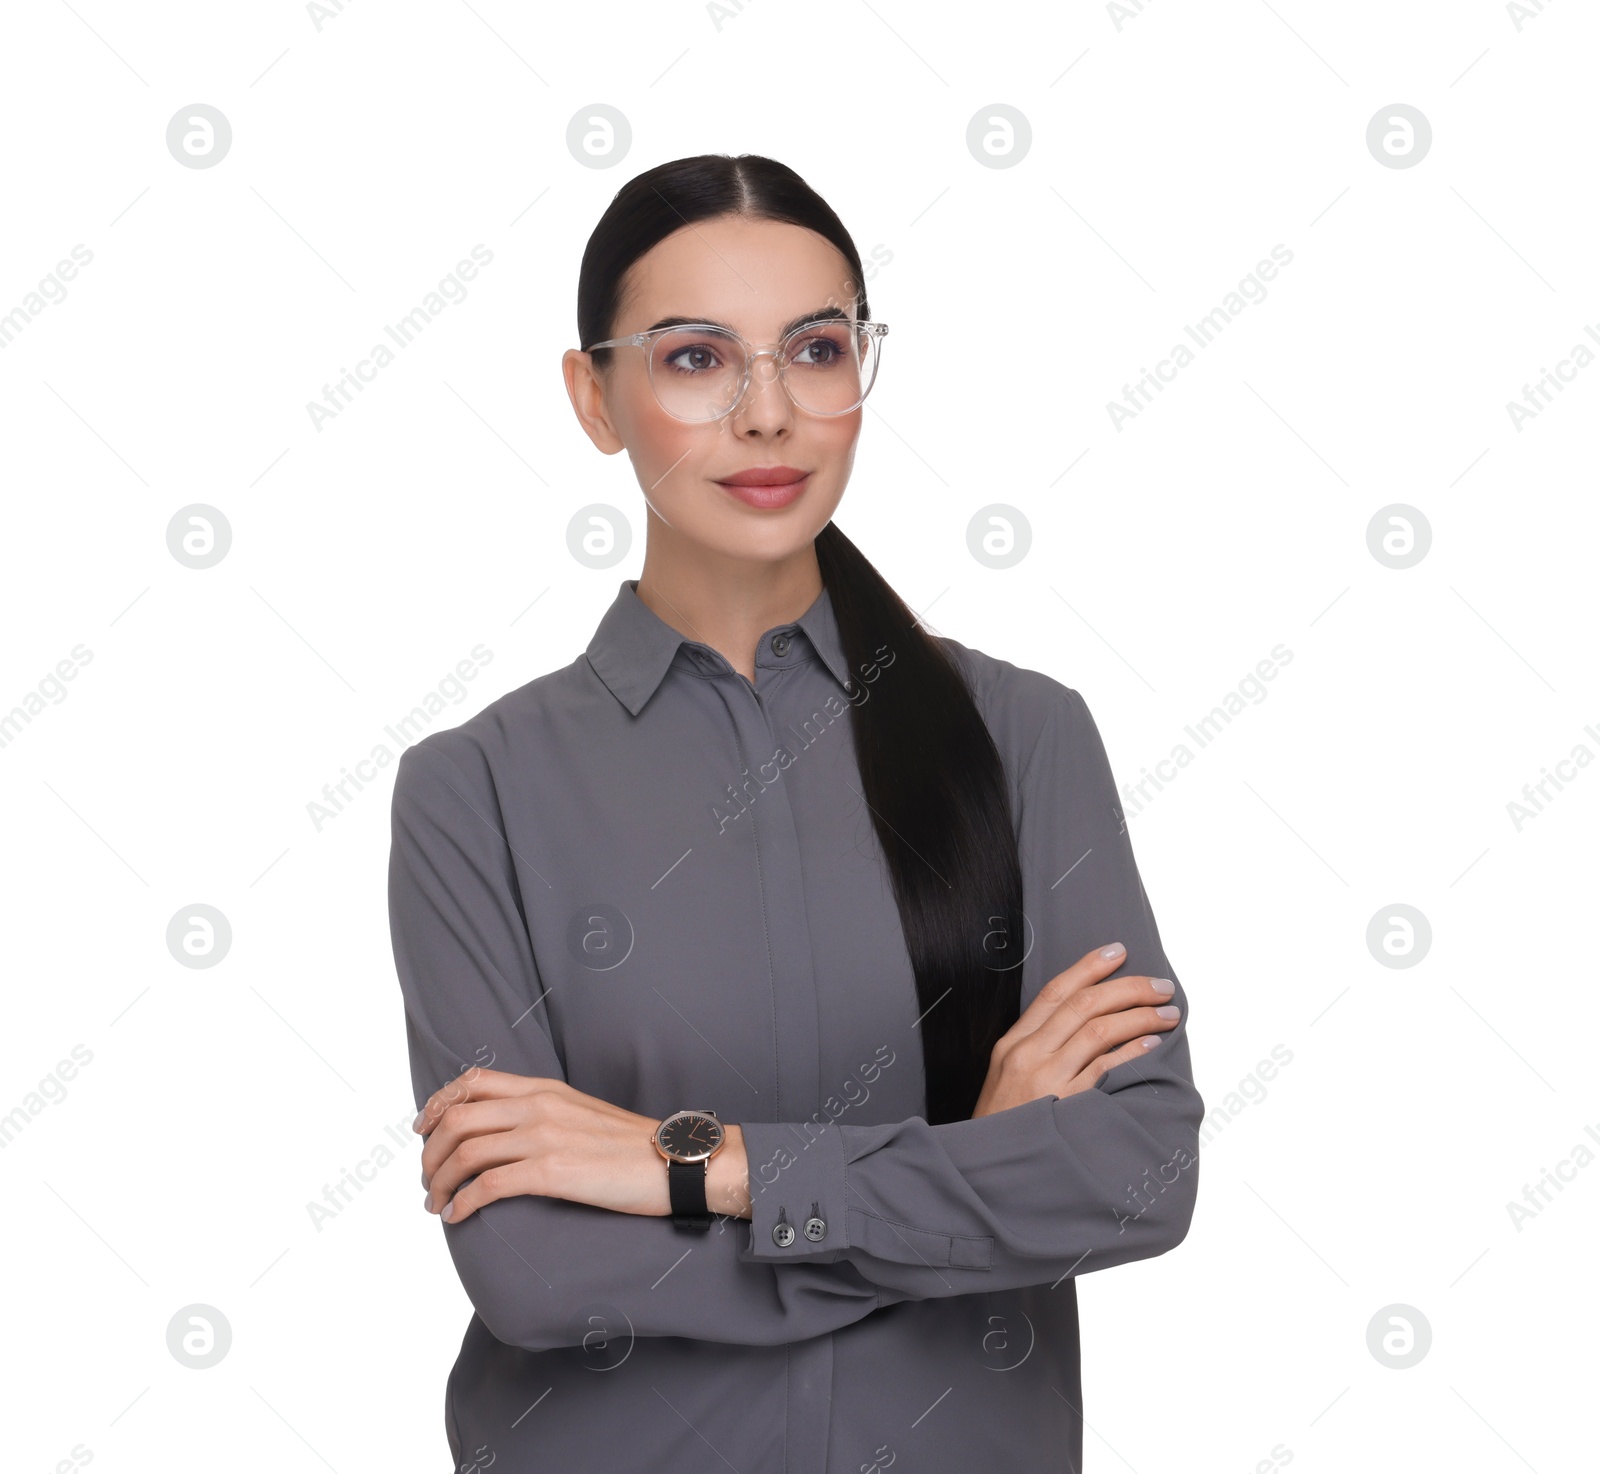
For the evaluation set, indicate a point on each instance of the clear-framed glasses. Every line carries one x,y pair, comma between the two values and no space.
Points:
700,372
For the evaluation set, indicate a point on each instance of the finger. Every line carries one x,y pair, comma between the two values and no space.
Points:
1088,969
477,1155
1097,1069
1110,1032
475,1084
500,1181
1100,999
450,1093
465,1121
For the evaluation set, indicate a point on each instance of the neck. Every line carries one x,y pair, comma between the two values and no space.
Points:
725,602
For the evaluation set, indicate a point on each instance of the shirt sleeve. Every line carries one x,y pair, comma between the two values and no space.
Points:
1058,1186
539,1270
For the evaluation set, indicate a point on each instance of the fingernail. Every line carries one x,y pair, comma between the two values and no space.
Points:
1163,986
1168,1010
427,1201
1116,949
1151,1042
449,1210
417,1124
424,1176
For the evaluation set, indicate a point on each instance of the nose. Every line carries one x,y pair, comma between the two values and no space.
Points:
766,407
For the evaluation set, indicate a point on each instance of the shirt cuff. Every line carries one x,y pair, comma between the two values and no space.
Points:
797,1192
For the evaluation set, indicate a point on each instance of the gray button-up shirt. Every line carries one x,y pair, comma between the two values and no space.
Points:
648,877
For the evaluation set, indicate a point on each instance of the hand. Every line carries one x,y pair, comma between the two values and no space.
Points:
1074,1031
517,1134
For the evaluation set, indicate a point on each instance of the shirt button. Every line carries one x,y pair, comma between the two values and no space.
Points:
783,1234
780,644
815,1228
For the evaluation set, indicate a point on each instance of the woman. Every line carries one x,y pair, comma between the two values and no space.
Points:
786,1016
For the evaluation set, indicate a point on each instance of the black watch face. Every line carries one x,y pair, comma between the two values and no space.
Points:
691,1137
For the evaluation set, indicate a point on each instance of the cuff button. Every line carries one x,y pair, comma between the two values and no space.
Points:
783,1230
815,1229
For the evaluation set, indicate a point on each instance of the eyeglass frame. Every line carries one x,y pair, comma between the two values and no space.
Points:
642,340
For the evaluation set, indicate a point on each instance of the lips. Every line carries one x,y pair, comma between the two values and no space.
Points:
766,487
764,476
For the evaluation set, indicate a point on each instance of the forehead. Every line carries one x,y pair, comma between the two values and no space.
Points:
755,275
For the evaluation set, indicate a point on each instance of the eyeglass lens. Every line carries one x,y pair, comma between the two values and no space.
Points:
697,372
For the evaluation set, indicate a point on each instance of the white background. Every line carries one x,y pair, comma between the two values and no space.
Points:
1170,152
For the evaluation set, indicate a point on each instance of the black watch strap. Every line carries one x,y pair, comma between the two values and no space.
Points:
686,1186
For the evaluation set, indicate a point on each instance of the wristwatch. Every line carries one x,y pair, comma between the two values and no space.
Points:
688,1140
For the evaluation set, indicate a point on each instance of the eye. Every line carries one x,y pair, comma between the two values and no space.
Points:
692,358
694,353
819,347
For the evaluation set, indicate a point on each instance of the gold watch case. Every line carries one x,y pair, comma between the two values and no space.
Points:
689,1136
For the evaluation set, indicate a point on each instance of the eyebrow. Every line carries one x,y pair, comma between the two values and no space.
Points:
823,314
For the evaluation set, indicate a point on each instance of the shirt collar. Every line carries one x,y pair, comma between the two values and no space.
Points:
632,646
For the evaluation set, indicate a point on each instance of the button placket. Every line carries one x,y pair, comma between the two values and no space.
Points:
796,1083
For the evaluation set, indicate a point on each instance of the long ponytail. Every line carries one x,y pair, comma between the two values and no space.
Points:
936,787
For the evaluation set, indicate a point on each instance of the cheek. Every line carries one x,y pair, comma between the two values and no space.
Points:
836,439
666,453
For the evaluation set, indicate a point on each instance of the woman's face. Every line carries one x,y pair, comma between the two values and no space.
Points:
757,277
